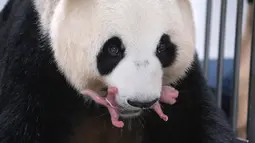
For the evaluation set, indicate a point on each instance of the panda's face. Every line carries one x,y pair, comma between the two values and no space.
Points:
134,45
137,71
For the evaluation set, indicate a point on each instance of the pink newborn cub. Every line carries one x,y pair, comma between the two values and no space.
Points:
168,96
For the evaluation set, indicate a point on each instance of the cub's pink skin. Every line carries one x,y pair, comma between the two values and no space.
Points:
157,108
109,102
168,96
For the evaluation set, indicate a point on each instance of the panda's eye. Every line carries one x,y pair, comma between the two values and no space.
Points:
161,48
113,50
166,51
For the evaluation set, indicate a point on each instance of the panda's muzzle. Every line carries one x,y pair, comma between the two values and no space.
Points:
168,95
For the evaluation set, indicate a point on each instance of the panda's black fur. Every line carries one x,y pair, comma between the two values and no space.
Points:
37,105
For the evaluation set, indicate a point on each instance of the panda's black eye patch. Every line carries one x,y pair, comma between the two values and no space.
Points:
110,55
166,51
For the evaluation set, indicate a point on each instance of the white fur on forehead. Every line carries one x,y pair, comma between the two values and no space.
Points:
79,28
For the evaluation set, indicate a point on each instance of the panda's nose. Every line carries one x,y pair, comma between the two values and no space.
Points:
140,104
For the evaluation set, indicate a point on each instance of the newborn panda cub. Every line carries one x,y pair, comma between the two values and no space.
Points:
168,95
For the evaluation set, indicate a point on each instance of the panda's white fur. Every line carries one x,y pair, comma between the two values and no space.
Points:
79,28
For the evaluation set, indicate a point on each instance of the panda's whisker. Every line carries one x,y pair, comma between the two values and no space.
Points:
147,110
102,115
130,124
140,120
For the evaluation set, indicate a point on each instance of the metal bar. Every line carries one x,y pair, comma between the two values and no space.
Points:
251,108
221,50
235,87
207,36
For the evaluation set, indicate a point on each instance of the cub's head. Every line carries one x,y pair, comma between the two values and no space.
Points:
134,45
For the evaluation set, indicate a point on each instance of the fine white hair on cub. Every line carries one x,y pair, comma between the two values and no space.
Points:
79,28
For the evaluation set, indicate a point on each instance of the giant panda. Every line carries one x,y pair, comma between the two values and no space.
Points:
55,52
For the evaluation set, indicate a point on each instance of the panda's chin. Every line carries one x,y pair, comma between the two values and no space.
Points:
130,114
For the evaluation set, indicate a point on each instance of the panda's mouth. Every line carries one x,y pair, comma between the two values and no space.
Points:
123,112
168,95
